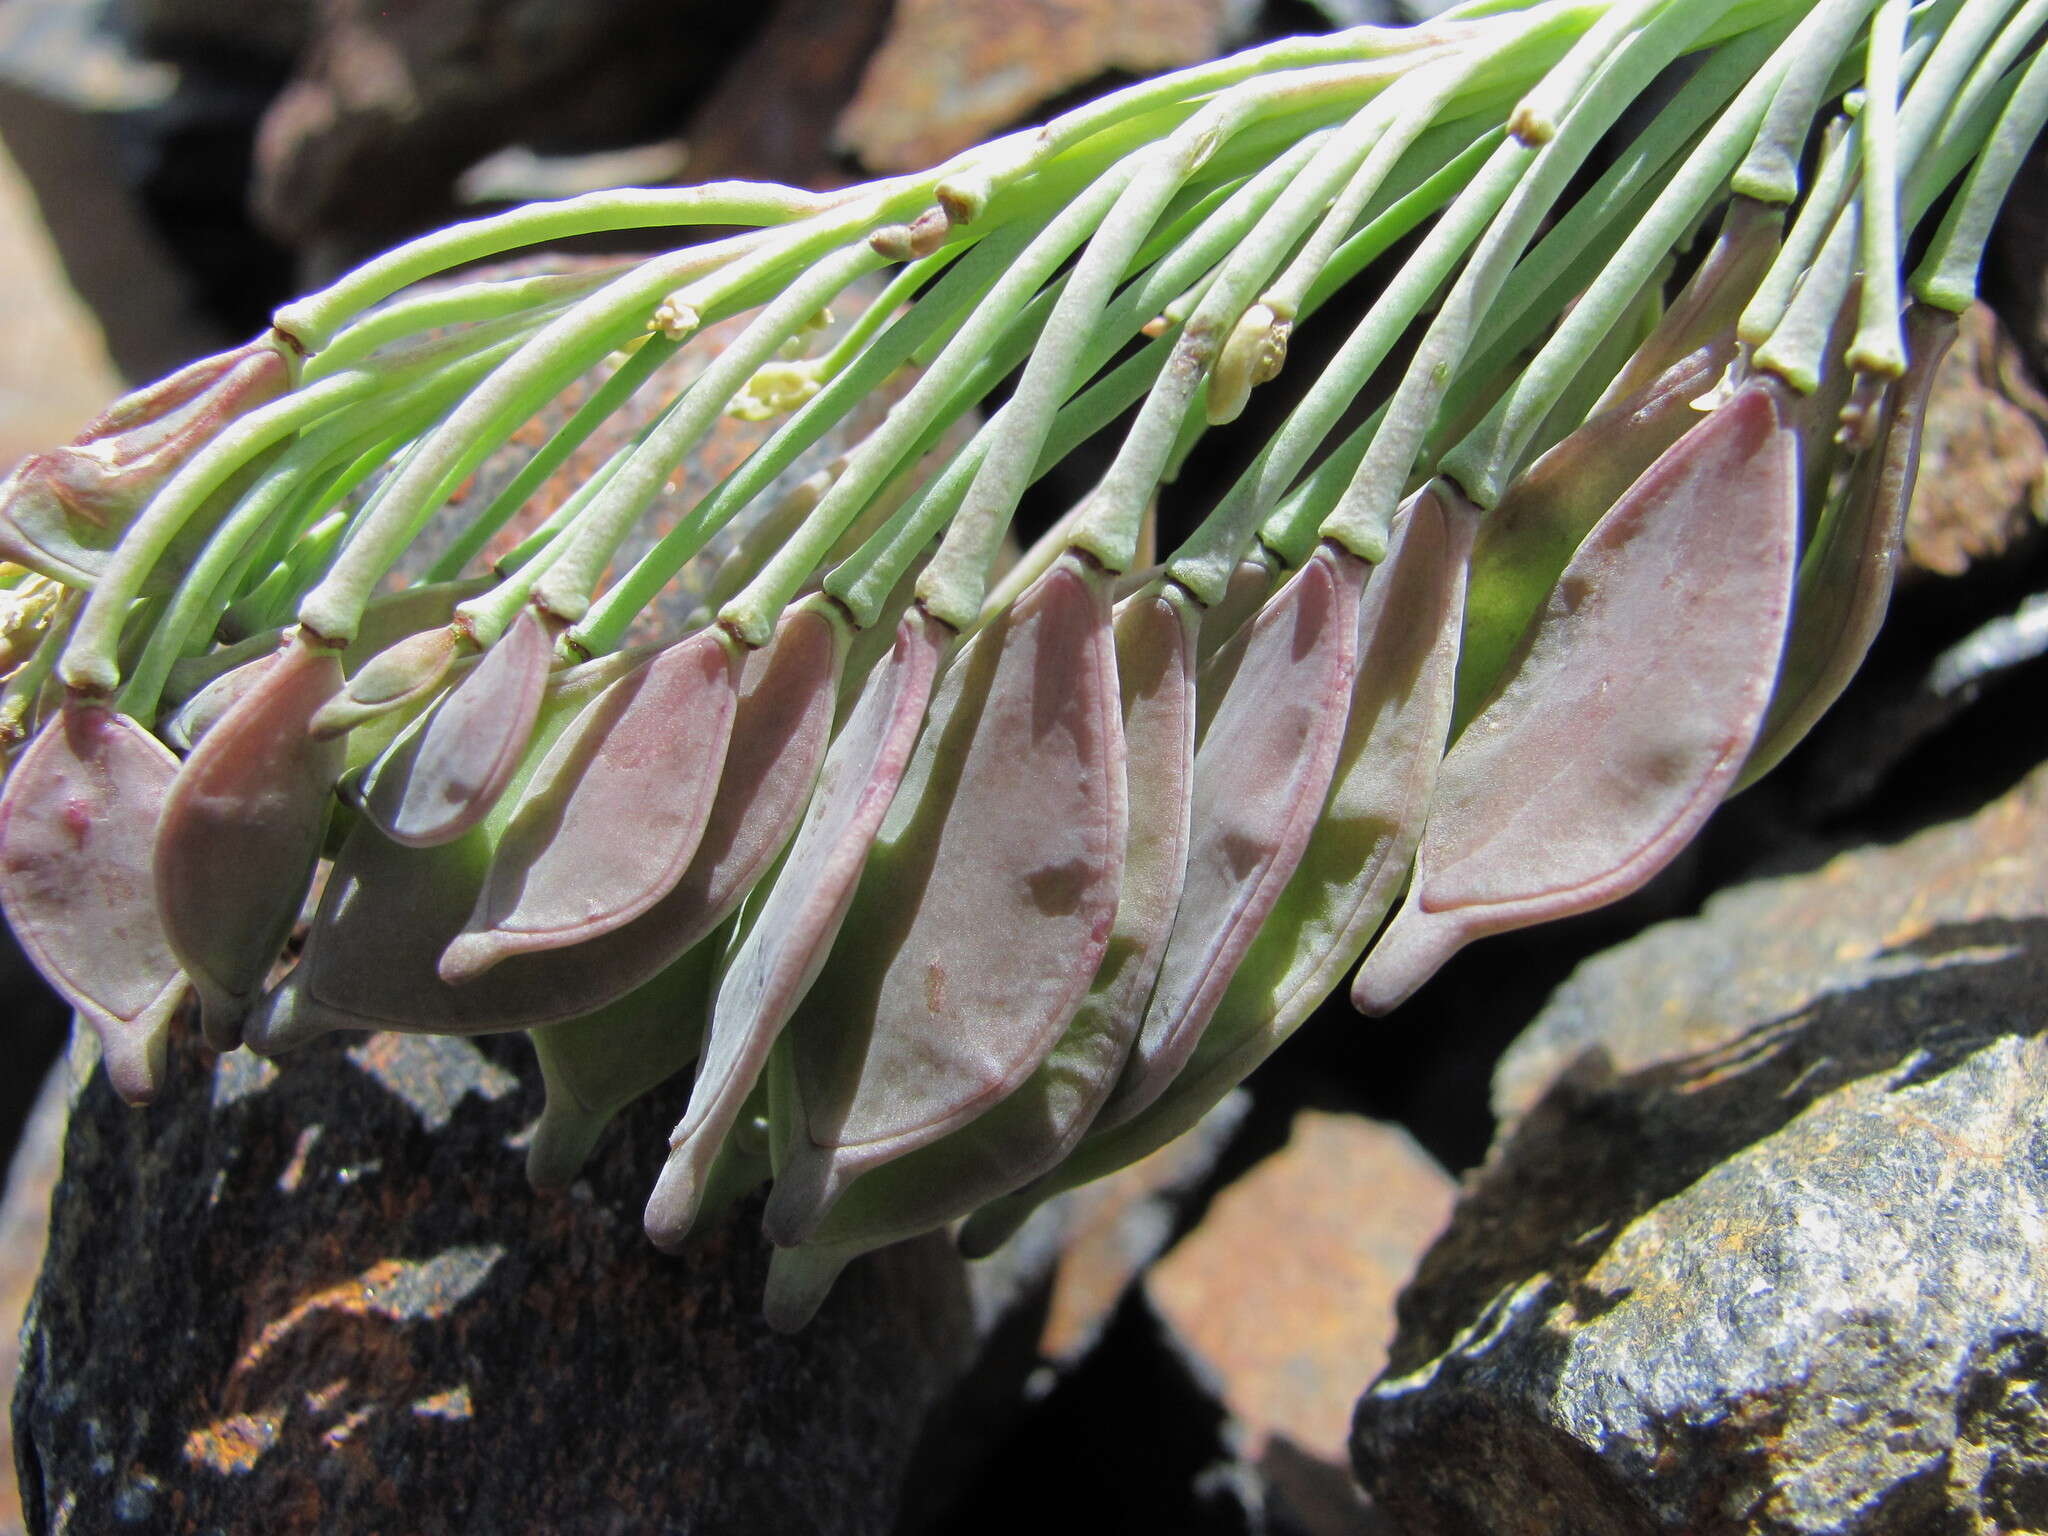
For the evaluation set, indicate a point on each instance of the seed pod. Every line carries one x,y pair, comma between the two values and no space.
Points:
62,512
241,829
1250,585
800,915
1031,1131
1262,768
199,714
388,912
1712,299
594,1066
77,821
1629,708
1525,541
402,673
608,822
1355,863
464,756
1011,821
1846,575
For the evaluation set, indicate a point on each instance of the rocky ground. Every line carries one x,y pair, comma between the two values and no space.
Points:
1717,1211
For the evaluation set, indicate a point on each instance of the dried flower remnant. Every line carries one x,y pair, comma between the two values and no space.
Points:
959,884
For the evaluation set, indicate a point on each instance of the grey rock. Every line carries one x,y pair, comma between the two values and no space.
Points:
1760,1248
324,1300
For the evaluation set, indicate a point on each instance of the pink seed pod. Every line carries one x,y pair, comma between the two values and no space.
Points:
62,512
1525,541
78,821
788,939
1029,1133
1262,768
1353,867
1846,575
1010,821
199,714
609,821
1629,708
470,745
241,829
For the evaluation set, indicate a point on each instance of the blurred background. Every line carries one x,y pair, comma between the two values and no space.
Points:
170,170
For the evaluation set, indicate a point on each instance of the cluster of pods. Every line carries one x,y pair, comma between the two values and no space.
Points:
953,911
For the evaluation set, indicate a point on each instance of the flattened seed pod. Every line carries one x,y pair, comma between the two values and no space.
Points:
241,830
77,823
594,1066
62,512
1011,821
1262,768
465,755
1846,575
203,711
1032,1130
1525,541
800,916
609,821
396,676
1629,708
1712,299
1352,870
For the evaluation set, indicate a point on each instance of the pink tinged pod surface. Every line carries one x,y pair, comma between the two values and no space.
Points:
206,708
241,831
1030,1132
1845,579
77,823
1629,709
472,742
985,911
1262,768
787,941
610,819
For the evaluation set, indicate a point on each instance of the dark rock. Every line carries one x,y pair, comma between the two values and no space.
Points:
1760,1246
320,1297
391,103
24,1223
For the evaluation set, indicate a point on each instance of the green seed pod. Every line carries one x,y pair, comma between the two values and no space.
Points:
241,829
1629,708
1032,1130
1011,820
78,821
1846,575
595,1066
405,672
800,914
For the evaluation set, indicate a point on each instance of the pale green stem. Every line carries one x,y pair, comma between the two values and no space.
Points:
565,590
1770,171
1362,516
314,320
1879,346
91,663
535,298
1488,457
1947,278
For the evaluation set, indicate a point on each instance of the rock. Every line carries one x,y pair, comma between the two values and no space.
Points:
391,103
1759,1247
1983,465
1283,1295
24,1224
1110,1230
320,1297
948,75
55,375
